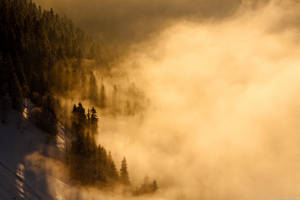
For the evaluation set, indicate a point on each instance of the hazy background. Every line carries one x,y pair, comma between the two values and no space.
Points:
121,25
223,81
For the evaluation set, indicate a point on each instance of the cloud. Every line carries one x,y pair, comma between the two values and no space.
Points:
225,110
126,22
223,81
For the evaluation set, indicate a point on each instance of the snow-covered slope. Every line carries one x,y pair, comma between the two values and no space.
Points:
18,180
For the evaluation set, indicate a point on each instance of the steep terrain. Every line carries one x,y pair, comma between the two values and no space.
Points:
18,177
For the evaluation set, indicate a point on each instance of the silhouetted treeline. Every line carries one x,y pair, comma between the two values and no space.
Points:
90,163
43,55
146,188
34,43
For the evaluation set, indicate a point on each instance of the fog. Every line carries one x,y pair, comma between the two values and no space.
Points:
134,20
224,110
122,25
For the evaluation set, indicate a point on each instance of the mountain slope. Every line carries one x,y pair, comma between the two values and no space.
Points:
18,179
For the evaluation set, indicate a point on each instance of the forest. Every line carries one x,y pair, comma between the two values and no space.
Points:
43,56
139,99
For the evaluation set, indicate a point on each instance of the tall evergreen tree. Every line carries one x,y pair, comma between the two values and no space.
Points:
154,186
94,120
16,92
124,177
93,89
115,107
102,103
111,169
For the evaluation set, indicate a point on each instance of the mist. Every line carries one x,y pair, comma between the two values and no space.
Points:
122,25
223,82
128,21
224,109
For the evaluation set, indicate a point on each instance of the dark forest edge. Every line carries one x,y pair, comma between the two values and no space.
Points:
41,56
91,164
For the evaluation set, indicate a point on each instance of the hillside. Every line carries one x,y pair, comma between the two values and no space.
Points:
18,179
44,61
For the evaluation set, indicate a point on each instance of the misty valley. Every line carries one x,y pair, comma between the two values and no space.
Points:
136,99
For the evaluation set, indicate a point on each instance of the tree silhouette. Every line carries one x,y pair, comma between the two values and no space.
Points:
94,120
102,103
124,177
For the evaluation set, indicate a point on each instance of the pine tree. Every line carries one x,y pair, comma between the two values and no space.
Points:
16,92
115,107
102,104
94,120
124,177
111,169
154,186
93,89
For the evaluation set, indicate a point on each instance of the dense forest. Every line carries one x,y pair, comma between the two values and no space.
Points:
33,43
42,56
88,162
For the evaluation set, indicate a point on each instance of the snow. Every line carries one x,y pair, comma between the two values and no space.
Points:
17,179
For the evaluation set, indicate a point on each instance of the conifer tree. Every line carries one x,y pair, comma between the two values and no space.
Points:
16,92
111,169
124,177
94,120
102,103
154,186
93,89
